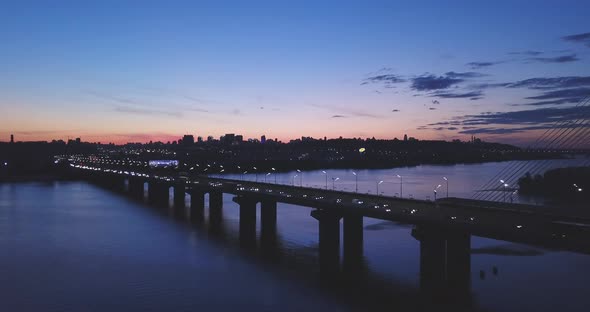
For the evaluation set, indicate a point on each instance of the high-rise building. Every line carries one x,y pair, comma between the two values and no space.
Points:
200,139
263,139
239,138
12,138
228,138
188,139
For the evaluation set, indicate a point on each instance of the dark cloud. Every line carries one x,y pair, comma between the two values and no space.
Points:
338,116
557,59
562,93
432,108
454,95
464,75
551,83
556,90
387,79
583,38
477,65
551,102
395,110
517,121
432,82
529,53
435,102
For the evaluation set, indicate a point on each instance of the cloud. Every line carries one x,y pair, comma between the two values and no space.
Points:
528,52
557,59
432,108
477,65
388,78
395,110
435,102
453,95
583,38
551,83
464,75
517,121
347,111
144,111
432,82
562,93
338,116
556,90
112,98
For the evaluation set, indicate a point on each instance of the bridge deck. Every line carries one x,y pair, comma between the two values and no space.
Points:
511,222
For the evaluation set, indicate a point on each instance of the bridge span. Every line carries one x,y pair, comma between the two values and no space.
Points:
443,227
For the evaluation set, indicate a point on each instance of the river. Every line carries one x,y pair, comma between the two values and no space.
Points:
72,246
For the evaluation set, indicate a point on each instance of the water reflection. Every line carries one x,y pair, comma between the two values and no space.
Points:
74,245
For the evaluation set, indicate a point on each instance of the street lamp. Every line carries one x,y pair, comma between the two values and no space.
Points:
244,174
266,176
356,182
401,186
505,185
300,177
256,172
293,180
579,189
324,172
447,180
435,191
274,172
334,183
378,186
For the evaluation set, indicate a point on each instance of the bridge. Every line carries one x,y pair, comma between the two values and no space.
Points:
443,226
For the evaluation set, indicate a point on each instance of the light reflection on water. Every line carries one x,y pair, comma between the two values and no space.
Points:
76,247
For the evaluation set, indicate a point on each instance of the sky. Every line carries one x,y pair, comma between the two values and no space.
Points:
135,71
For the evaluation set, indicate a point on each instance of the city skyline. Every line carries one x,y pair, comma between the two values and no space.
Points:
123,73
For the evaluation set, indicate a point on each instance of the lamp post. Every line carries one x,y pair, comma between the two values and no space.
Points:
505,185
334,183
435,191
275,174
256,172
266,176
447,180
300,177
293,180
244,174
325,173
401,186
378,186
356,182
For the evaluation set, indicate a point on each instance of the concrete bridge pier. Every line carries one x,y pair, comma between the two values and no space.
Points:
197,209
432,262
158,193
459,265
268,223
247,221
136,187
353,243
329,240
111,182
117,184
445,263
215,207
179,197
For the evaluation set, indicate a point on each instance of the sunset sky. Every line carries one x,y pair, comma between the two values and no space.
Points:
119,71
